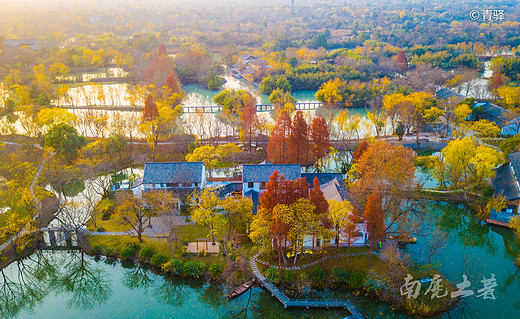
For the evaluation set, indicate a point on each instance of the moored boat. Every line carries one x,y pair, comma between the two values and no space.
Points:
240,290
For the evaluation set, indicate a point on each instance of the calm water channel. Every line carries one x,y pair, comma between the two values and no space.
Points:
65,285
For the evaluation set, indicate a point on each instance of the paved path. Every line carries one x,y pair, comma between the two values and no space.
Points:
307,303
255,257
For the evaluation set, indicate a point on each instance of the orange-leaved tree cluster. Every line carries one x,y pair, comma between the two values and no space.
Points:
385,171
297,142
287,212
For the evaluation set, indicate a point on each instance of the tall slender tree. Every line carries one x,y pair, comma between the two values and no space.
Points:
278,146
318,199
402,61
249,118
320,140
150,111
299,141
375,216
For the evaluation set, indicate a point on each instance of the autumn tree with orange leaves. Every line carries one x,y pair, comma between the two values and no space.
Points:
320,140
299,144
150,111
249,119
287,212
375,217
318,199
278,147
159,68
388,170
402,61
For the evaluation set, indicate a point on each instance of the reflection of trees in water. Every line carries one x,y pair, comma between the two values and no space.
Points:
461,223
87,282
137,277
171,292
43,272
28,287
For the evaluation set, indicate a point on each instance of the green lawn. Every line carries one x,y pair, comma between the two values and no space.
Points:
119,242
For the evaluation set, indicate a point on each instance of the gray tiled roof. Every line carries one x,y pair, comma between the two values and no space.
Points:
505,183
322,177
514,159
262,172
181,172
491,109
335,190
448,94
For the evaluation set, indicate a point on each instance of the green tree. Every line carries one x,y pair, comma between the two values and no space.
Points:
65,141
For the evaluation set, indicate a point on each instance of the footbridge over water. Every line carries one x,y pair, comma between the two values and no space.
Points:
61,238
189,109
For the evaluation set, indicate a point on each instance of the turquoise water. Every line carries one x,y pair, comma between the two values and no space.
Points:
74,285
104,289
199,96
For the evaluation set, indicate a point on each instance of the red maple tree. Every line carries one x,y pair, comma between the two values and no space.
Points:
402,61
375,216
320,140
299,141
150,111
249,118
361,148
318,199
159,68
278,146
172,84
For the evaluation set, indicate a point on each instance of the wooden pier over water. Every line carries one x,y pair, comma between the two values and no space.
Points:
306,303
187,109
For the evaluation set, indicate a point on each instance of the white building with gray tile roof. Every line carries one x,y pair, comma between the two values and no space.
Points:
179,177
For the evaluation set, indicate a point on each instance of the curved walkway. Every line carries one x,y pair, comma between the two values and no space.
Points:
307,303
265,263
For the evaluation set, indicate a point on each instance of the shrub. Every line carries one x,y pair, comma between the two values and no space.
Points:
96,249
288,276
100,229
173,267
109,251
105,216
339,275
146,253
215,270
202,252
193,269
273,275
127,253
318,276
184,252
355,279
158,260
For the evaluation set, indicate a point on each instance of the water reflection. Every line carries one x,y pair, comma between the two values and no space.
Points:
26,283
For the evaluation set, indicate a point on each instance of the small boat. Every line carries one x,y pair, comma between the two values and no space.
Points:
240,290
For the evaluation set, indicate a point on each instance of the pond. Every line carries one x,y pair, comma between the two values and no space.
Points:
78,286
74,285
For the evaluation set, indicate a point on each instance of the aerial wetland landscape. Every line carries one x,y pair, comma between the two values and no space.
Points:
259,159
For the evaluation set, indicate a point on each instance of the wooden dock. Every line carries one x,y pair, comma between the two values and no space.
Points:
304,303
402,237
498,223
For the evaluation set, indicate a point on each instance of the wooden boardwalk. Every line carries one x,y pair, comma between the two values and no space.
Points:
188,109
304,303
